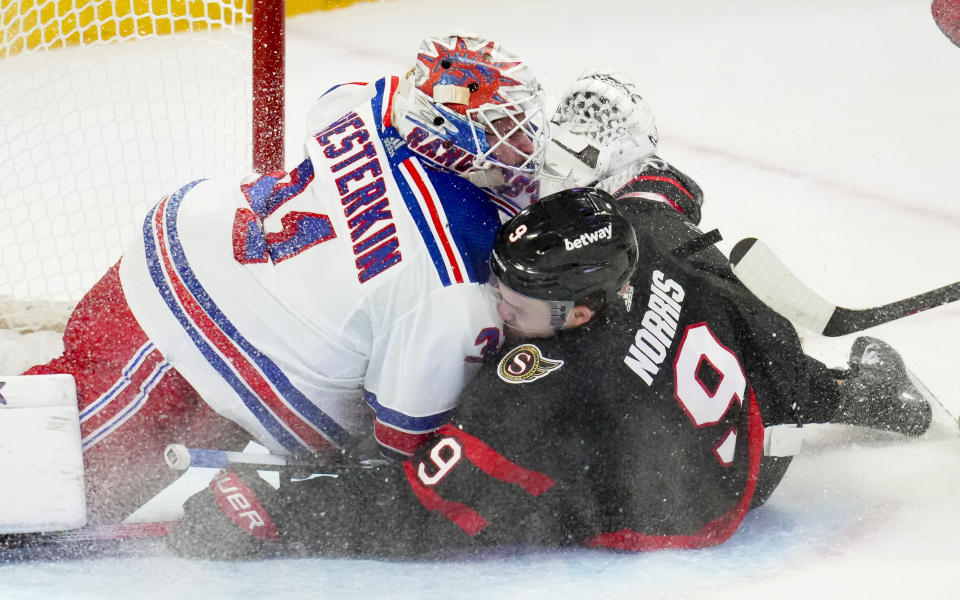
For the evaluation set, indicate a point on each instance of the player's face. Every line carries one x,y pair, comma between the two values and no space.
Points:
511,144
526,316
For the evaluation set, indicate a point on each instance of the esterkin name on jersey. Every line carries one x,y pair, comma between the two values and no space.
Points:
657,328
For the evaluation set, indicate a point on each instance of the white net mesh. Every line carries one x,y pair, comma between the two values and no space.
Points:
93,133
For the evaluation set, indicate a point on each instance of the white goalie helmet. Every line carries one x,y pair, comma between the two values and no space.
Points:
600,128
473,107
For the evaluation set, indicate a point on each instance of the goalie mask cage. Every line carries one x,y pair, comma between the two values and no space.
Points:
105,107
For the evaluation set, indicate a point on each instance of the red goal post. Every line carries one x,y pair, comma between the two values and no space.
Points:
106,107
268,84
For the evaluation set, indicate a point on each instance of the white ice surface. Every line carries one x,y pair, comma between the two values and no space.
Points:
828,129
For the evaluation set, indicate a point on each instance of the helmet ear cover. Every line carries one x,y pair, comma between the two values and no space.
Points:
573,246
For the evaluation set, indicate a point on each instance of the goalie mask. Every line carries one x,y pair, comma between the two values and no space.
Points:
473,107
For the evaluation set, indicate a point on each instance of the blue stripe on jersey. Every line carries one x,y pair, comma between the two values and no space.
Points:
397,152
413,207
376,103
159,370
297,400
128,370
293,396
406,422
339,85
472,217
249,399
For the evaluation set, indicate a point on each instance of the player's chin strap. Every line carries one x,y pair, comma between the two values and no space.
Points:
490,178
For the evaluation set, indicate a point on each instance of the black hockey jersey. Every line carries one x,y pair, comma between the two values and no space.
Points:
641,430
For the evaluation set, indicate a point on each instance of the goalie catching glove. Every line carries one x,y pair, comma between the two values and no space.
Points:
603,135
600,128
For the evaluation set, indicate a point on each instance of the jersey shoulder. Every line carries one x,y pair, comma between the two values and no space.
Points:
471,217
336,102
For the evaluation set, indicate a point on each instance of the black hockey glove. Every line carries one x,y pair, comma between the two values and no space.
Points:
227,521
242,516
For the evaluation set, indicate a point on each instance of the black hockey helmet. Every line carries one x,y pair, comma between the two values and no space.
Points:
565,247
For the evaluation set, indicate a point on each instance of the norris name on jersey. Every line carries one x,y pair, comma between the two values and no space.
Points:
658,327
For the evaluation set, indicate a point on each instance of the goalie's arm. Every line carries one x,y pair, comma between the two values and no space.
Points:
659,180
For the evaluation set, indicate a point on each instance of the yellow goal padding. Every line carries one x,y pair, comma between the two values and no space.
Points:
41,24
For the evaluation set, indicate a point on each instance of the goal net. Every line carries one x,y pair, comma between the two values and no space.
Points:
106,107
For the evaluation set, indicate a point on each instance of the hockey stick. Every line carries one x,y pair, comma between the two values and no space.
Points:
111,539
97,540
767,277
180,458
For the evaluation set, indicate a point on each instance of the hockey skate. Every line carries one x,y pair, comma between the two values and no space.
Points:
881,393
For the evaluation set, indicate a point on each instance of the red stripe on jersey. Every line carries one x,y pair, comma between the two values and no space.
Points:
465,517
247,371
431,203
646,196
121,400
396,439
388,113
506,206
714,532
494,464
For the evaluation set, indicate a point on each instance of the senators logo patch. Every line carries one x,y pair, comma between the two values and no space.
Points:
526,363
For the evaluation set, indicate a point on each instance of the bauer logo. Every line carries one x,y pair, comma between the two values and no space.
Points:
526,363
240,504
585,239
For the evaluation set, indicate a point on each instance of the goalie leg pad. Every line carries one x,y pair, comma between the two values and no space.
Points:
132,403
41,464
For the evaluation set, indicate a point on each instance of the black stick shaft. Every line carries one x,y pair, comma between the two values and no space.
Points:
847,320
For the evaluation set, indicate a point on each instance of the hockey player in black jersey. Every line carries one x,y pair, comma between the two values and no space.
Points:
632,419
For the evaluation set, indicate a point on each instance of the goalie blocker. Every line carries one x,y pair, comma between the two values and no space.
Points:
41,463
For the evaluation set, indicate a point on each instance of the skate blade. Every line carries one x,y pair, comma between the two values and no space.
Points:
941,419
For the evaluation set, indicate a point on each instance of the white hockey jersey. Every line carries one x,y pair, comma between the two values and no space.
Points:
295,303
